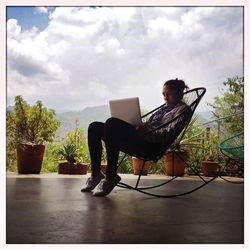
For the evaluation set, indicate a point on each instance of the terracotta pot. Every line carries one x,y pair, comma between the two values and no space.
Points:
179,165
29,158
209,168
72,168
137,165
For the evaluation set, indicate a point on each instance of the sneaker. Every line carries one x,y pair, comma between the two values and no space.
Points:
92,182
106,186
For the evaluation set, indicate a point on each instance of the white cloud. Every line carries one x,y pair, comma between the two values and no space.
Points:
13,29
43,10
87,56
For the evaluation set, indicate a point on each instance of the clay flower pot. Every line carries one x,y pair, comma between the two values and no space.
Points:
72,168
29,158
137,165
179,165
209,168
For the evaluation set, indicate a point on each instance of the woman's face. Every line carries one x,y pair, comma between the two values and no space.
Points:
169,96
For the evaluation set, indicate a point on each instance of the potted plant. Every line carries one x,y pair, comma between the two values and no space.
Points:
210,165
74,152
137,166
69,153
28,128
175,166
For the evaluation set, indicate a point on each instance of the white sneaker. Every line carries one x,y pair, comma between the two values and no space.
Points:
92,182
106,186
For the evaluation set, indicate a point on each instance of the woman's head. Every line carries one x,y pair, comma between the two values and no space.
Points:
173,91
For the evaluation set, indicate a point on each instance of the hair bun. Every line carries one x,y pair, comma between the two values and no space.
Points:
177,84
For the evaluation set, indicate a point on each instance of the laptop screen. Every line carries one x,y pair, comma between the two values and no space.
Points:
127,109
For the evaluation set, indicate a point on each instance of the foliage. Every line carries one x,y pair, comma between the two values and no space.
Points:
30,124
126,165
231,105
194,146
158,167
193,136
104,154
68,152
11,165
199,144
50,159
193,143
211,145
75,147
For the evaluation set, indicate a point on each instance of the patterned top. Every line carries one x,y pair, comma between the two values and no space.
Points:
159,118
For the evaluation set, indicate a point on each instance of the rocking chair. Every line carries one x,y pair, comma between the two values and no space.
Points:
170,145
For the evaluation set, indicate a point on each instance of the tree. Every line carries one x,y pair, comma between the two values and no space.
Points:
31,124
28,124
230,106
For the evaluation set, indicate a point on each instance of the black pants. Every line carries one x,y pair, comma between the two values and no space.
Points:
118,136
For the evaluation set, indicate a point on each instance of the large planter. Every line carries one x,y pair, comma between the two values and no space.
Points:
179,165
29,158
72,168
137,165
209,168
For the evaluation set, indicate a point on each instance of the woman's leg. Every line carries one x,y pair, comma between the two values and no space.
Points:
118,136
95,137
121,136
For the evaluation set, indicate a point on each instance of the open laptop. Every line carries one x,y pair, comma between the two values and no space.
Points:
127,109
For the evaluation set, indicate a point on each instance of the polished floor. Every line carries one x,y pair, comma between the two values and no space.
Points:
49,208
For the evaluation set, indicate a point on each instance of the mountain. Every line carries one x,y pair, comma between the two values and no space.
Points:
70,119
82,118
204,116
9,109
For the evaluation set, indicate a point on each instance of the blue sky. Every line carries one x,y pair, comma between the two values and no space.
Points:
28,16
74,57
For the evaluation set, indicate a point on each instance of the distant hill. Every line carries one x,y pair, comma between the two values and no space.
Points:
101,113
204,116
10,108
82,118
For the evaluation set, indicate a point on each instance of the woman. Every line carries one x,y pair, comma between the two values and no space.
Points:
119,135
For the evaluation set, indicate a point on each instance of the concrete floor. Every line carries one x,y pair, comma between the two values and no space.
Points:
51,209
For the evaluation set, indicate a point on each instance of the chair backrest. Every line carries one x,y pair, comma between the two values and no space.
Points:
233,147
191,98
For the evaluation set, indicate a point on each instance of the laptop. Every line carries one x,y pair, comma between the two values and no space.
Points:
127,109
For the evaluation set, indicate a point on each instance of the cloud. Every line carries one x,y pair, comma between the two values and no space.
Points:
13,29
42,10
87,56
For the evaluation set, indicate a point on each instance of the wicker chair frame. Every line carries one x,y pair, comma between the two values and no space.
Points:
192,98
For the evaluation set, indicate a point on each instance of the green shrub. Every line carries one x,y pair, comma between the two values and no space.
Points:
30,125
50,159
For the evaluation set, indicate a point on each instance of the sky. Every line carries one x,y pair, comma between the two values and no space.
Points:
76,57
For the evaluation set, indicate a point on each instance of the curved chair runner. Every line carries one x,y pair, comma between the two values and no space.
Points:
233,149
180,122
